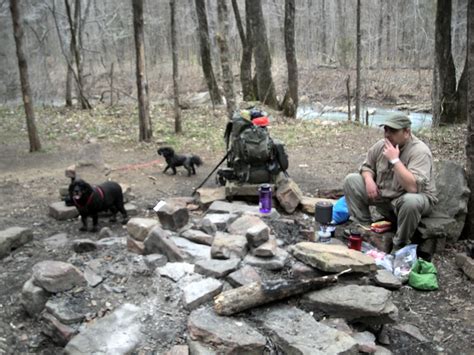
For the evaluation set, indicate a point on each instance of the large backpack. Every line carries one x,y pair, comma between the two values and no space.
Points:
253,156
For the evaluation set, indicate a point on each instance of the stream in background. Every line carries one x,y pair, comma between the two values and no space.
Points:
376,117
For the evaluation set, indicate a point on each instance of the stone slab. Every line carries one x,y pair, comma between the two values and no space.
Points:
229,335
117,333
332,258
297,332
199,292
228,207
61,212
367,304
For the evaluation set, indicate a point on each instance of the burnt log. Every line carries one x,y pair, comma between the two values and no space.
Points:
258,293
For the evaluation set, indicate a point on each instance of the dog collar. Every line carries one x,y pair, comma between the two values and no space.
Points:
89,200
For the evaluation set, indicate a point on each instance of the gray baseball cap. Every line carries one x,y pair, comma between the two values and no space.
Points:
397,121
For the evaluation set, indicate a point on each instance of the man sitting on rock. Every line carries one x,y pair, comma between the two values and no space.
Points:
397,178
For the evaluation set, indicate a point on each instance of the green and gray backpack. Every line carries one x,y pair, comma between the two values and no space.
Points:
253,155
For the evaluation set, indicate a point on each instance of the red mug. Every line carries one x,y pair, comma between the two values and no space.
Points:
355,241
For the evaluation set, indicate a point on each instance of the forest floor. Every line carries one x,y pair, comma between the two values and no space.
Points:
320,155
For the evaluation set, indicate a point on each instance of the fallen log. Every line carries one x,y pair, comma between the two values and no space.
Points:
258,293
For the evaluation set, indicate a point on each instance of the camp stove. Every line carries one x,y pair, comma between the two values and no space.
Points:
323,215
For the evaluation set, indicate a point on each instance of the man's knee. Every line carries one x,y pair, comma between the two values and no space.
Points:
410,203
351,180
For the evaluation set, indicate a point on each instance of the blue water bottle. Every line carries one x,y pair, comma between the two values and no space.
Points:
265,198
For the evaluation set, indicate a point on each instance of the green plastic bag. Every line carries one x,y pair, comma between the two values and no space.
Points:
423,276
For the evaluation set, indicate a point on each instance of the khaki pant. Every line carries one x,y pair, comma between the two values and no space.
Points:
407,209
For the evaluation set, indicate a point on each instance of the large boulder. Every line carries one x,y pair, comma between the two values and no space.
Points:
446,221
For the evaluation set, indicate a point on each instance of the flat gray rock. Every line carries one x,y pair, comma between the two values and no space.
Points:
57,276
367,304
245,275
116,333
386,279
175,271
276,262
230,335
216,268
192,251
228,207
297,332
13,238
68,310
332,258
198,236
61,212
199,292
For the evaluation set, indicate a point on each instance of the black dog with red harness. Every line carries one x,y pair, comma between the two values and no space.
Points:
89,201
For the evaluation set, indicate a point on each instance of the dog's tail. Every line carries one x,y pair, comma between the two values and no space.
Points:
196,160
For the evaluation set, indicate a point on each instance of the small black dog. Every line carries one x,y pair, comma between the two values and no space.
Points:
174,160
89,201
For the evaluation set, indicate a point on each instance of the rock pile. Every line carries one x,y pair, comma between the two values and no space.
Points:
230,246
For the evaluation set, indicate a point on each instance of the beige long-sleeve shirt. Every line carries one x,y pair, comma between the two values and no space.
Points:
417,158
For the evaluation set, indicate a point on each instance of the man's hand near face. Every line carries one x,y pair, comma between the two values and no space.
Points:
390,151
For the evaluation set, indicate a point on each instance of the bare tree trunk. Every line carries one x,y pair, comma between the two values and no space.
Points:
380,35
223,18
74,26
69,77
263,61
112,84
468,231
461,96
246,61
358,61
35,143
145,130
206,53
290,103
324,51
388,36
444,73
342,43
348,88
174,50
